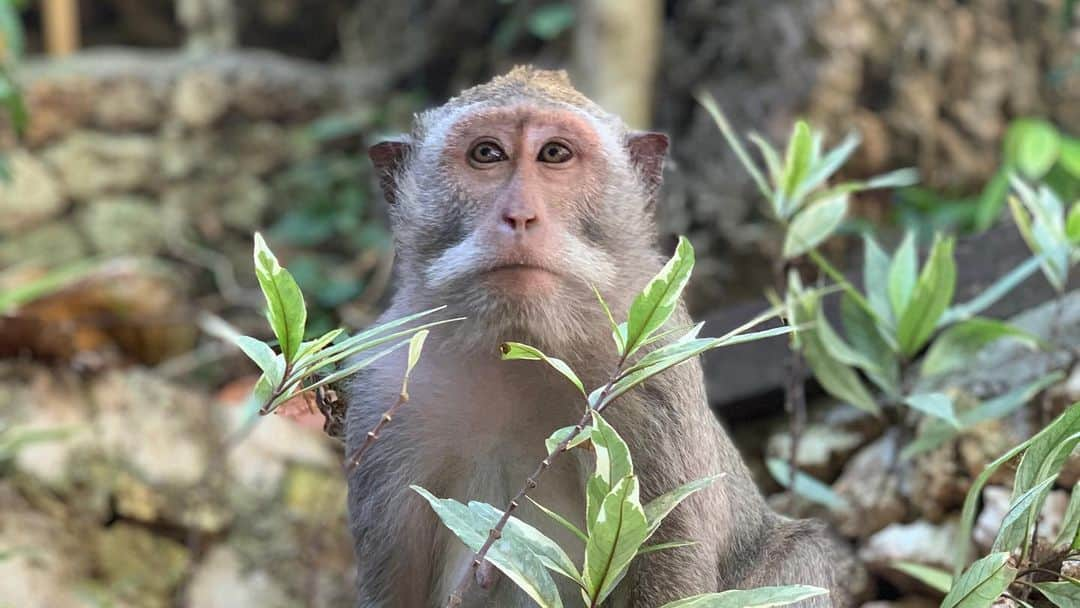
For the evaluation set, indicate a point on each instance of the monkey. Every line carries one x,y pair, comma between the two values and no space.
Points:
508,205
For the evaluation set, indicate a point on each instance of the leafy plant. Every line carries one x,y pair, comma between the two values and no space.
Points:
300,365
617,524
1051,231
11,51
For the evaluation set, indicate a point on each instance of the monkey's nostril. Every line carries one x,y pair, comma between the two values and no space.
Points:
519,221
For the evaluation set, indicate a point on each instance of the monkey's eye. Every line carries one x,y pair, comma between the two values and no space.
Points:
554,152
485,152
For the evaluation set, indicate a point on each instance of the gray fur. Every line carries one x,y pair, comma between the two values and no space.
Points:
475,427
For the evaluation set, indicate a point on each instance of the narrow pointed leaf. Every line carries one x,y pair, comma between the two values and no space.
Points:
989,296
517,351
284,302
938,580
517,563
560,435
312,347
1070,524
659,508
813,225
732,139
876,273
1063,594
840,349
957,345
932,294
559,519
761,597
655,305
903,273
675,544
805,485
1014,527
771,156
938,405
521,533
826,166
982,583
619,531
796,162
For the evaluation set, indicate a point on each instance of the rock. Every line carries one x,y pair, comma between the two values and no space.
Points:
245,201
822,449
919,542
60,105
127,103
200,98
257,149
146,567
32,195
123,224
308,489
90,164
1071,567
154,426
182,154
223,581
996,504
48,245
872,489
42,565
49,407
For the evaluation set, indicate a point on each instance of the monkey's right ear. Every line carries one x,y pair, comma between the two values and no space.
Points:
387,157
647,152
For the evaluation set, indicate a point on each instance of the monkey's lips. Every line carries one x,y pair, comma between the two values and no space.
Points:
522,278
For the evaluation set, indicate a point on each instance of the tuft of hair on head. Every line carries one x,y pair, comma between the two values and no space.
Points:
551,86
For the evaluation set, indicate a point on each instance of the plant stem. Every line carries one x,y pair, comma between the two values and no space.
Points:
357,455
455,599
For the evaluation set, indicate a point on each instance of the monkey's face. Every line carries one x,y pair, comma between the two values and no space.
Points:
515,212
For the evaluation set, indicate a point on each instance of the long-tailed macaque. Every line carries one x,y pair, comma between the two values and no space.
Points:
507,204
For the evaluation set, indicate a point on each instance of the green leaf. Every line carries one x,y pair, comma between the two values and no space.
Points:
618,332
675,544
903,274
813,225
659,507
354,367
771,156
517,562
709,103
284,302
559,519
521,533
512,351
932,294
613,462
1014,527
982,583
824,168
992,200
932,577
1072,224
866,338
989,296
620,530
263,356
900,178
838,379
655,305
1049,451
838,348
1032,145
1063,594
761,597
561,434
805,485
876,272
957,345
1061,427
312,347
938,405
1070,523
796,165
936,432
1070,156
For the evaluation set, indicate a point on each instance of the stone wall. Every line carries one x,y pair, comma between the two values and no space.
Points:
128,152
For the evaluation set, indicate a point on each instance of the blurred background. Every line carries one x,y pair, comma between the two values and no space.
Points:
144,141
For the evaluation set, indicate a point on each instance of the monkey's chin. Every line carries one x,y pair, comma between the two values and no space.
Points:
522,281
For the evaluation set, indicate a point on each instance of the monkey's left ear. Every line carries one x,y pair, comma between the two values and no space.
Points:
388,157
647,152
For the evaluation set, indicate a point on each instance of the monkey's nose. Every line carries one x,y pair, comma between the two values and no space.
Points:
519,220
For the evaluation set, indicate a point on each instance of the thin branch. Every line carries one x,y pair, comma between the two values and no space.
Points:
357,456
476,568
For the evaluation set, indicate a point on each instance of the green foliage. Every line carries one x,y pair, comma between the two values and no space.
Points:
809,212
1041,218
12,45
1043,457
762,597
617,524
805,485
932,577
303,366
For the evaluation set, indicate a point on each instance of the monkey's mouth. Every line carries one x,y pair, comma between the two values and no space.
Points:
523,278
